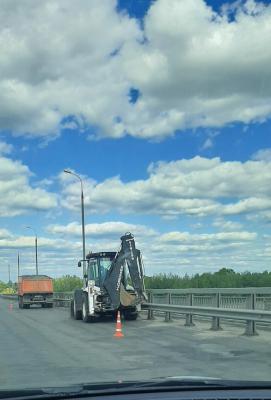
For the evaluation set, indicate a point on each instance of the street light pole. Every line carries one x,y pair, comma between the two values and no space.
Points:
67,171
8,274
36,253
36,248
18,266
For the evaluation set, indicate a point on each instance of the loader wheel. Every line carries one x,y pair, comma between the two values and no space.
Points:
72,308
77,314
85,316
131,316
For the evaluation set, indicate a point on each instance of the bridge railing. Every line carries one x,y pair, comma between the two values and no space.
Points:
251,305
239,298
215,313
234,298
62,299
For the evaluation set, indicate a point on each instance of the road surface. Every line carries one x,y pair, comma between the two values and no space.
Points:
45,347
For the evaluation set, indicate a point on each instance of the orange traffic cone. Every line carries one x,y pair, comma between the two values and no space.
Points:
118,333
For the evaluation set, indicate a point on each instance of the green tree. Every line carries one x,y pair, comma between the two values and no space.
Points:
67,283
225,277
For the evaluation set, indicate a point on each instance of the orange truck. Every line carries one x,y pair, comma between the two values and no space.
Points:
35,289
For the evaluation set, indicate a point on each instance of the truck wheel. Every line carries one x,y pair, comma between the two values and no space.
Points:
77,314
20,302
50,305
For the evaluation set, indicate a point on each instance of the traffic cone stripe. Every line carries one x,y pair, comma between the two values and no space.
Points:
118,331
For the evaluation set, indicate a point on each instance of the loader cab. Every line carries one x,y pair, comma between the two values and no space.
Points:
98,265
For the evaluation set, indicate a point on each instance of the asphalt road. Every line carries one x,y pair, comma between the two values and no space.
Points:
45,347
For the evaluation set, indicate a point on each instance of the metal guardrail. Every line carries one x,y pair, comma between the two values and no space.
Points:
9,296
240,298
219,299
219,309
247,290
250,316
62,299
240,304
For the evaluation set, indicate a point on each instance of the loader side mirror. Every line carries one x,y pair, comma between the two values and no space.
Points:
79,264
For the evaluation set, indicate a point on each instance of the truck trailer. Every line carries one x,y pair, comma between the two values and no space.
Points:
35,289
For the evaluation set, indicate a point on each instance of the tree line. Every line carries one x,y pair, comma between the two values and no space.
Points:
223,278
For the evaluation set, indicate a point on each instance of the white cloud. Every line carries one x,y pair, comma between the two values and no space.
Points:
102,230
260,216
208,144
183,237
27,242
5,148
200,68
262,155
248,205
195,68
17,196
226,224
72,73
4,234
195,187
172,251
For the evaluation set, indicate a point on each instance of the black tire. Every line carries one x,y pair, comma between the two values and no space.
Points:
20,302
85,316
77,314
50,305
72,309
43,305
131,316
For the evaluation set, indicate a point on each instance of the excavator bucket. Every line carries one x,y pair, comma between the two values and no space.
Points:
129,255
126,299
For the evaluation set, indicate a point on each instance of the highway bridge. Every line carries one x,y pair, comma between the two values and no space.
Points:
45,347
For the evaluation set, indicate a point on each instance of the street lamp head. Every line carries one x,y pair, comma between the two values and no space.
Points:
32,229
67,171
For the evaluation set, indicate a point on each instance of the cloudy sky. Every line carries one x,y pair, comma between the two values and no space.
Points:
162,107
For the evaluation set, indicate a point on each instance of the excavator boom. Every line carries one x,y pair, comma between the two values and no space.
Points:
128,256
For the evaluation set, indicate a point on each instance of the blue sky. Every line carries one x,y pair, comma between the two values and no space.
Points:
185,166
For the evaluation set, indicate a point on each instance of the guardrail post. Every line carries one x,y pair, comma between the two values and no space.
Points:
251,325
216,320
150,312
168,314
189,317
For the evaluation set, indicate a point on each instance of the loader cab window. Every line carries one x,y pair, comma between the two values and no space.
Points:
93,271
105,263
